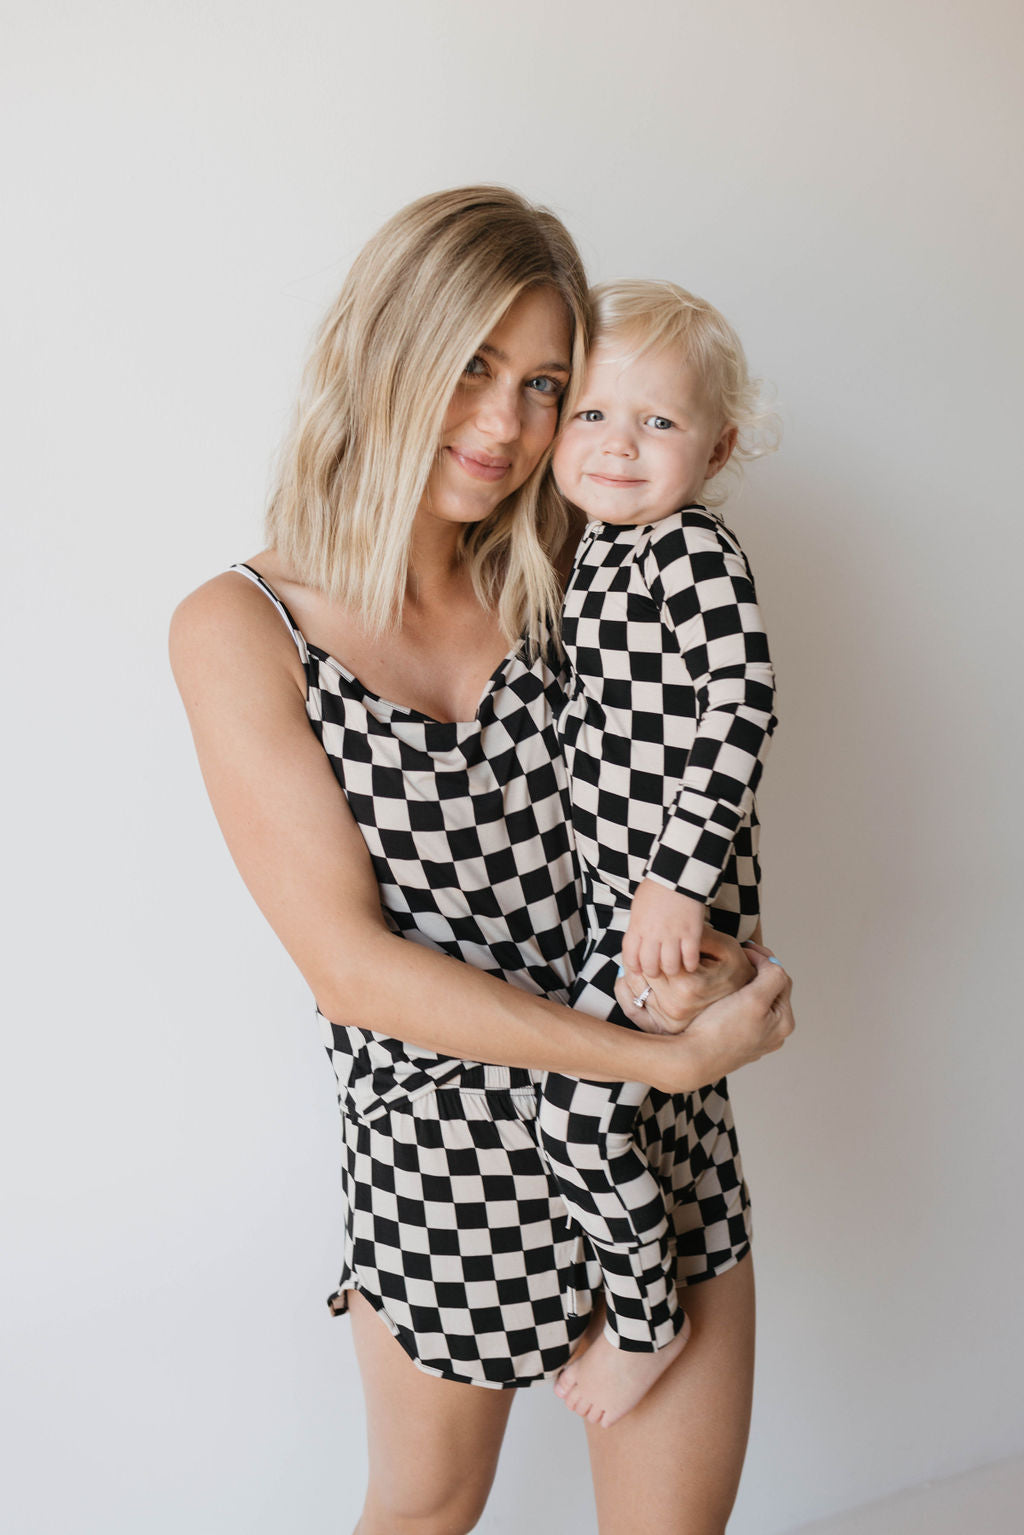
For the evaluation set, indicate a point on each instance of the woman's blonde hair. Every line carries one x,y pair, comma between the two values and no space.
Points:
650,315
421,296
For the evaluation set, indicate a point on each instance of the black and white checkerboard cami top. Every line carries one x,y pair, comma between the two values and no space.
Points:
670,714
467,825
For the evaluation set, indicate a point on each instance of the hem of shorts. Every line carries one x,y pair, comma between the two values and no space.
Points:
429,1369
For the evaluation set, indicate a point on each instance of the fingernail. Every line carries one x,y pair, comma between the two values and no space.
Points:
773,961
621,970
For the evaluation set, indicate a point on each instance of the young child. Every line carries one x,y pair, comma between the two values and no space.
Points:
665,733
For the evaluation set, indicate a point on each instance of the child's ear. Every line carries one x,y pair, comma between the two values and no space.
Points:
722,451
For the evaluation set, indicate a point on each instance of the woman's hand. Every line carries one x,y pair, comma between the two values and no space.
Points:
732,1032
676,1000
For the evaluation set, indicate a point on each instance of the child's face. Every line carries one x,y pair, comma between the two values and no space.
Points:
642,442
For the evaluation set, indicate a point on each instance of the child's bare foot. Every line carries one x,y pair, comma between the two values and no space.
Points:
603,1383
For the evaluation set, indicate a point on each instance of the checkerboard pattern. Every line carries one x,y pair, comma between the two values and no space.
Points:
671,710
588,1135
467,827
457,1234
597,1139
456,1230
685,1144
665,734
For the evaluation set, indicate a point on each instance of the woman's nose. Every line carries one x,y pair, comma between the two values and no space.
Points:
498,414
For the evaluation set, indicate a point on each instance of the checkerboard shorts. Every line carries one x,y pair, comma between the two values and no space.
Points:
456,1234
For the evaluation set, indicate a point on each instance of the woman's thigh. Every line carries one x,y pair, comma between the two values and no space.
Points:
433,1443
673,1464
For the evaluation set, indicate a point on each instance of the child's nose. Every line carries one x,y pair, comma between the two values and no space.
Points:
620,442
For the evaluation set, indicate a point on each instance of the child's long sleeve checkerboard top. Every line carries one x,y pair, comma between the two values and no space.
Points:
672,706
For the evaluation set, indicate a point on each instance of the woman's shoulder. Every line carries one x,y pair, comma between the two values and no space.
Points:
229,622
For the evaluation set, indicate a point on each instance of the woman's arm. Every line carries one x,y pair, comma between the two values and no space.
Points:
300,853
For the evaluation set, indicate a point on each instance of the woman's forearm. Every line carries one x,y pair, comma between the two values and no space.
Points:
424,998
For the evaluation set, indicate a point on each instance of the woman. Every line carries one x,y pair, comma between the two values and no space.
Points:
414,534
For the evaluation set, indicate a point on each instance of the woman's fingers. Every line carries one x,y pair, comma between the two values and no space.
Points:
649,1017
771,978
758,948
771,988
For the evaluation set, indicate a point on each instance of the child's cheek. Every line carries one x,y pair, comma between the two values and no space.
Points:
564,460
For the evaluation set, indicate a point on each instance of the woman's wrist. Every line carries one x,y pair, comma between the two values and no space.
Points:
671,1063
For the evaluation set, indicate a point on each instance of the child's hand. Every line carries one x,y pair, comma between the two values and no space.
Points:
665,930
672,1004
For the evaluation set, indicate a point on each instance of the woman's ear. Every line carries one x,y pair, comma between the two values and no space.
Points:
722,451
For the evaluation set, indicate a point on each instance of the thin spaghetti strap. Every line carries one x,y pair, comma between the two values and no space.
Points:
268,591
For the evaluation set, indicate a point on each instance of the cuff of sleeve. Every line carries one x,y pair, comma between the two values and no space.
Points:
692,851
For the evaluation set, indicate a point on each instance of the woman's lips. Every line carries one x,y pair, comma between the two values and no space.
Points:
480,467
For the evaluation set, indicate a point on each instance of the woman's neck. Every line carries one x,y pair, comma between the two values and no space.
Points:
437,569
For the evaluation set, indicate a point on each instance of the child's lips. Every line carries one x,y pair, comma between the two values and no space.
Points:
616,481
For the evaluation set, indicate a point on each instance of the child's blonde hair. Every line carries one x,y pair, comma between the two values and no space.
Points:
418,301
650,315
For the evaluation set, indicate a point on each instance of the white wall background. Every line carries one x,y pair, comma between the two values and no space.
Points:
186,185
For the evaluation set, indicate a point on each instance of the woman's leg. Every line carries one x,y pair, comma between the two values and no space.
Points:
433,1443
673,1464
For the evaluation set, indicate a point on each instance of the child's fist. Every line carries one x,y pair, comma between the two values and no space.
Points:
665,931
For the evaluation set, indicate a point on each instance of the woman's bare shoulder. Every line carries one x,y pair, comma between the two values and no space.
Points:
223,623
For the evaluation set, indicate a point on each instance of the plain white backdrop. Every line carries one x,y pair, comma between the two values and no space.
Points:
185,186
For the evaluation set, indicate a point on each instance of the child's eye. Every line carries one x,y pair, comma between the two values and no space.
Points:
660,423
591,415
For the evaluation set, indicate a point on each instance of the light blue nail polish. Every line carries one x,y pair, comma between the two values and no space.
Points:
773,961
621,970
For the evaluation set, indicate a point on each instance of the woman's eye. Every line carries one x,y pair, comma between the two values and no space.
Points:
591,415
474,367
545,385
660,423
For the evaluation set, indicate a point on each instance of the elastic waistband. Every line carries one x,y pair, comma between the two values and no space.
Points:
470,1081
491,1079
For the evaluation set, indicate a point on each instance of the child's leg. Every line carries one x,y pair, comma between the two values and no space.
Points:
586,1130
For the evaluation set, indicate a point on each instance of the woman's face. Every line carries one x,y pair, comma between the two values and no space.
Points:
504,412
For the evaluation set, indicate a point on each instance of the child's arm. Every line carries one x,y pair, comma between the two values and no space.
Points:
702,584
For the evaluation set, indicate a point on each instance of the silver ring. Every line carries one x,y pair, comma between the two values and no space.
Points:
641,1000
